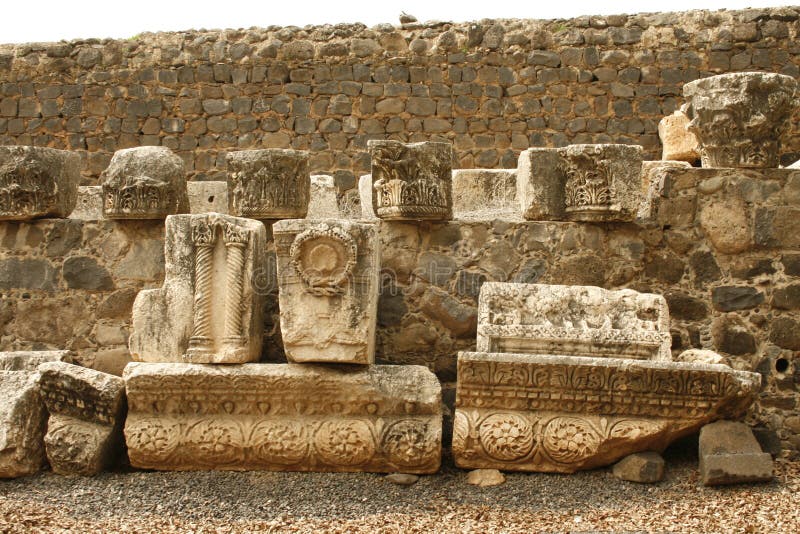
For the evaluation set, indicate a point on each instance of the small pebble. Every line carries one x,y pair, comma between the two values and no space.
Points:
485,477
402,479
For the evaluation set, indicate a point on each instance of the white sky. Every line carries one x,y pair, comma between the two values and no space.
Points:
50,20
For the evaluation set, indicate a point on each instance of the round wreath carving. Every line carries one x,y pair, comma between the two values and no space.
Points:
280,443
151,439
344,442
506,437
570,440
215,442
324,257
407,443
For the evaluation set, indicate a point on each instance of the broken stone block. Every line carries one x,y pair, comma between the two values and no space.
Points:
700,356
328,289
147,182
84,432
23,416
365,197
655,175
412,181
207,197
283,417
646,467
37,182
730,454
272,183
589,183
478,191
89,206
209,309
678,143
740,119
537,412
573,321
322,203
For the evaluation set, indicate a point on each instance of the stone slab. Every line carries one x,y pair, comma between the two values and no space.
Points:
730,454
23,419
283,417
32,359
322,198
523,412
572,321
207,197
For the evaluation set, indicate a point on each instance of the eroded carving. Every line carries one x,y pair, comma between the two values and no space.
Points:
268,184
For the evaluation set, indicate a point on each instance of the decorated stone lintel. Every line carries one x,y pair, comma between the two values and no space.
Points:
268,184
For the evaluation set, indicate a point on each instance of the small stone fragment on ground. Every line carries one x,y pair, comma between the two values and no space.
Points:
402,479
485,477
730,454
647,467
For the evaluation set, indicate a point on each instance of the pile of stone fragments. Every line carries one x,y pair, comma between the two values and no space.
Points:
563,377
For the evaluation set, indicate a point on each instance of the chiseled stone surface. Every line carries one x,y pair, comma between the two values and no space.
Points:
89,206
23,416
37,182
207,197
678,143
412,181
271,183
589,183
328,289
572,321
646,467
209,309
283,417
365,193
525,412
322,198
147,182
485,193
84,432
741,118
730,454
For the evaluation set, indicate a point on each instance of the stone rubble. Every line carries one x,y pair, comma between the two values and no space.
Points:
645,467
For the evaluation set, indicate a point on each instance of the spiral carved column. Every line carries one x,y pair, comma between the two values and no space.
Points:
235,243
203,236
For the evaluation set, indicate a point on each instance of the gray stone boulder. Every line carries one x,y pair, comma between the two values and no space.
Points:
646,467
730,454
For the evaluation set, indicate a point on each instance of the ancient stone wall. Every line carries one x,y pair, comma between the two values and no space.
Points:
493,88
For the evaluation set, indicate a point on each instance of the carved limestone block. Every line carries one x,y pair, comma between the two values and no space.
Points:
147,182
87,407
573,321
89,206
478,191
23,416
677,142
283,417
412,181
207,197
37,182
522,412
588,183
740,119
328,289
209,309
272,183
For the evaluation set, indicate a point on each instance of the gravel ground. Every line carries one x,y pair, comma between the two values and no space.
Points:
319,502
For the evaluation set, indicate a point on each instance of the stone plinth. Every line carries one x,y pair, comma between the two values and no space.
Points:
740,118
678,143
37,182
572,321
87,407
730,454
147,182
207,197
209,309
523,412
412,181
488,192
328,289
589,183
268,184
283,417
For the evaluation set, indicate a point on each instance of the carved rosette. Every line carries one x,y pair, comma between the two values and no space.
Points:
740,119
268,184
410,443
506,436
412,181
324,258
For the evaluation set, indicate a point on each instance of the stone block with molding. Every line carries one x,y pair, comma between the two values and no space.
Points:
268,184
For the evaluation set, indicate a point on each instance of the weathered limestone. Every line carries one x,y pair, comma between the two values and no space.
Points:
37,182
646,467
795,165
412,181
365,193
209,309
283,417
654,178
84,432
23,416
572,321
532,412
485,478
740,118
89,206
678,143
588,183
147,182
268,184
328,289
322,199
207,197
730,454
489,192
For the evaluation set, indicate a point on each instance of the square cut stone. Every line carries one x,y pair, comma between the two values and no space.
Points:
730,454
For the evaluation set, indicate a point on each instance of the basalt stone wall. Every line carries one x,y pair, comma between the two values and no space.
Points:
493,88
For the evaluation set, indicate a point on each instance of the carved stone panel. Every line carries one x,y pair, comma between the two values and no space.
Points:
412,180
573,321
740,119
209,309
87,407
589,183
37,182
522,412
283,417
328,289
273,183
146,182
